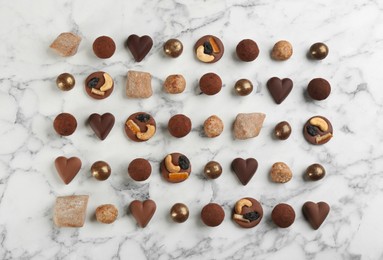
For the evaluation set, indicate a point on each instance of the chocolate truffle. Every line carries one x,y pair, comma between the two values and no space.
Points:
210,84
212,215
283,215
247,212
106,213
179,212
101,170
282,130
65,124
209,49
317,130
139,46
247,50
179,125
99,85
318,51
175,84
140,127
173,48
282,50
104,47
139,169
175,167
280,172
213,126
319,89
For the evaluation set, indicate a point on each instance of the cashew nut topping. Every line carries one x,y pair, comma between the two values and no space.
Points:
241,203
97,92
240,218
133,126
202,56
319,122
170,166
151,129
108,82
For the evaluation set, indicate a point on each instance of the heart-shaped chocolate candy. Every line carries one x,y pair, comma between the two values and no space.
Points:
67,168
142,211
244,169
315,213
279,89
139,46
101,124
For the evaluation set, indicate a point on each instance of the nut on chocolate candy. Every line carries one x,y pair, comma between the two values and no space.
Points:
140,127
65,81
104,47
65,124
175,167
99,85
212,215
319,89
247,212
282,130
210,84
173,48
101,170
315,172
282,50
212,170
318,130
209,49
106,213
283,215
318,51
247,50
179,212
280,172
243,87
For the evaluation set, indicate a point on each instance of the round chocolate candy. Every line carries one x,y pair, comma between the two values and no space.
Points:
101,170
65,81
179,125
248,212
174,84
319,89
173,48
282,50
213,126
106,213
99,85
139,169
140,127
318,130
65,124
213,170
283,215
104,47
209,49
315,172
210,84
247,50
243,87
282,130
179,212
212,215
175,167
318,51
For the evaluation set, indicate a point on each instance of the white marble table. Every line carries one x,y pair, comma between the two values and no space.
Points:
30,101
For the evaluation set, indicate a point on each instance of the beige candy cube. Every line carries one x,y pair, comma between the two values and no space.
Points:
248,125
66,44
70,211
139,84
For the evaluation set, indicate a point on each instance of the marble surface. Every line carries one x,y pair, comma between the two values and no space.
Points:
30,100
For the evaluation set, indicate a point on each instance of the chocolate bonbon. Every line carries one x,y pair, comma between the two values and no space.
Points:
210,84
279,88
247,212
318,130
104,47
139,46
315,213
283,215
139,169
140,127
179,125
212,215
280,172
65,81
282,130
318,89
315,172
106,213
244,169
67,168
212,170
282,50
101,124
175,167
70,211
99,85
243,87
213,126
179,212
142,211
318,51
174,84
209,49
173,48
101,170
247,50
65,124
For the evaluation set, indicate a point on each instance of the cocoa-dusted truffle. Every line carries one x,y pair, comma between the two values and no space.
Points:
247,50
212,215
65,124
319,89
210,84
104,47
283,215
179,125
139,169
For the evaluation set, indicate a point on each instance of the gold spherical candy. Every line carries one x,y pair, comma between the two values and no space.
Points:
173,48
213,170
179,212
101,170
315,172
243,87
319,51
282,130
65,81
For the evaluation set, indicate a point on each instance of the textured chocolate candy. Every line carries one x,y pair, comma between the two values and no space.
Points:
279,89
283,215
210,84
319,89
318,130
209,49
247,212
104,47
101,124
282,50
139,169
179,125
67,168
315,213
175,167
142,211
280,172
139,46
70,211
247,50
99,85
213,126
140,127
175,84
139,84
248,125
212,215
66,44
106,213
244,169
65,124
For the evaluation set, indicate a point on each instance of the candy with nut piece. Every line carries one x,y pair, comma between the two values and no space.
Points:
139,169
209,49
248,125
282,50
106,213
179,125
65,124
175,84
213,126
318,130
280,172
247,212
247,50
66,44
212,215
99,85
140,127
70,211
175,167
139,84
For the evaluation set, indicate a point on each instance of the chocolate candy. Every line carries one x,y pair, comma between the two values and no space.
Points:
67,168
210,84
279,89
244,169
282,50
213,126
65,81
139,84
179,125
104,47
213,170
66,44
212,215
70,211
101,124
179,212
99,85
209,49
106,213
283,215
139,169
319,89
315,172
175,167
318,51
142,211
280,172
282,130
101,170
315,213
317,130
247,212
139,46
243,87
173,48
248,125
140,127
247,50
175,84
65,124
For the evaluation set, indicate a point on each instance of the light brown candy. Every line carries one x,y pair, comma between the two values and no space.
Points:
248,125
139,84
174,84
106,213
66,44
280,172
213,126
70,211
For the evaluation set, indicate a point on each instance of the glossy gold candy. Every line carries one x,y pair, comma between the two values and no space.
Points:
179,212
213,170
65,81
243,87
319,51
173,48
315,172
282,130
101,170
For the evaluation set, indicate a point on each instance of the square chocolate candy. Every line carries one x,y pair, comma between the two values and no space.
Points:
139,84
66,44
70,211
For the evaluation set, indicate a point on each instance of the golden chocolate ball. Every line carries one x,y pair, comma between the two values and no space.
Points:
315,172
243,87
179,212
173,48
101,170
318,51
213,170
65,81
282,130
